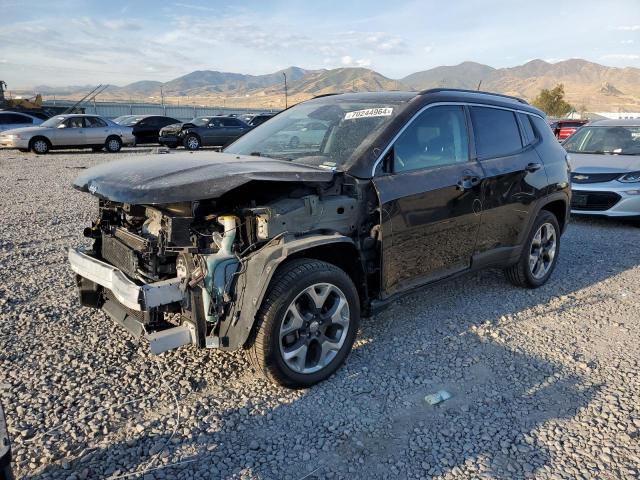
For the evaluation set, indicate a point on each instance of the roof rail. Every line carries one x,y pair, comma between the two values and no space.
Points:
328,94
443,89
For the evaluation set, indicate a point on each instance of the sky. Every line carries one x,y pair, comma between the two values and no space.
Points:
74,42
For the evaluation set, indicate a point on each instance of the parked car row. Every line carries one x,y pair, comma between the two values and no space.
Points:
29,133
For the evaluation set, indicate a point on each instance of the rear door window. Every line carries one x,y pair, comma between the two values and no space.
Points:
496,132
94,122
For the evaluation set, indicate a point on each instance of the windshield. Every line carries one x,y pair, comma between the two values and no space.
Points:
53,122
122,118
612,140
325,132
128,121
200,121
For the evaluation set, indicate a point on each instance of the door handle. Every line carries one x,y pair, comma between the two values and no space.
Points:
467,181
533,167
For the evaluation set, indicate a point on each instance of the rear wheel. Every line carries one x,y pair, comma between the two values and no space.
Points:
113,144
40,145
191,142
306,325
539,255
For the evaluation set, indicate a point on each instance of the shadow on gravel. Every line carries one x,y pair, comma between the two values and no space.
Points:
370,419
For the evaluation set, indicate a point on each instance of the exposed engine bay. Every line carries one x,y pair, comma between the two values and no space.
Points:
207,245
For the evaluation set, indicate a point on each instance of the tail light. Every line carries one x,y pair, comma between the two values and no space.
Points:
565,132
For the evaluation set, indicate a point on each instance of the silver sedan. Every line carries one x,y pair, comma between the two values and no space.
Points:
69,131
605,168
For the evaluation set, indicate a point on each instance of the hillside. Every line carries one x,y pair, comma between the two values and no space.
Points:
466,75
587,84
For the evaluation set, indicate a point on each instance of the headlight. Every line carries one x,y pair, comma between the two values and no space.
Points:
14,136
633,177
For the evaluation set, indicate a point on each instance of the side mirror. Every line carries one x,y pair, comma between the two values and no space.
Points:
62,125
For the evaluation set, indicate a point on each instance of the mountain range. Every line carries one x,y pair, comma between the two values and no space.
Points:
588,85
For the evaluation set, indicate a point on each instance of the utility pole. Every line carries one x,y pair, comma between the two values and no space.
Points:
286,102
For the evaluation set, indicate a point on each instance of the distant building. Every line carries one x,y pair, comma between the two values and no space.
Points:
615,115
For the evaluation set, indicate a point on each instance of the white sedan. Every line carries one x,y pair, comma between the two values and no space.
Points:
69,131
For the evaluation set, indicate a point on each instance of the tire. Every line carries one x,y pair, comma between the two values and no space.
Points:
294,142
540,254
173,146
276,334
191,142
113,144
39,145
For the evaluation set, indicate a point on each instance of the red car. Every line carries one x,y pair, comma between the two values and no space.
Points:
562,129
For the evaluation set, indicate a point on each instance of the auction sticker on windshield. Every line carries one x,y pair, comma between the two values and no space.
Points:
369,112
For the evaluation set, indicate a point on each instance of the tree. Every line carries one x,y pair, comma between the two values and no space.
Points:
552,101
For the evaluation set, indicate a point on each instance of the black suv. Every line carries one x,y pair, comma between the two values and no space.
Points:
280,248
203,131
146,128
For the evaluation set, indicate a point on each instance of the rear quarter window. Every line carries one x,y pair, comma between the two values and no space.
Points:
542,129
529,134
496,132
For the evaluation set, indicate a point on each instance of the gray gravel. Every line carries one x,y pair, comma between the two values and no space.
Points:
545,383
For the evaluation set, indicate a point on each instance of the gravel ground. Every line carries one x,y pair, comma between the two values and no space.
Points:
545,383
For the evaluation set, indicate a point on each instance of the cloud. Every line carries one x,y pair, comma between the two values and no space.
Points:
628,28
374,42
626,42
349,61
427,48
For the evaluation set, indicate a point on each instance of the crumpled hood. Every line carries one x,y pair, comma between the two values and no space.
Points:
603,163
173,128
184,177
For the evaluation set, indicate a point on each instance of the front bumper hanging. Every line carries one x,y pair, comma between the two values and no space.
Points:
135,297
130,294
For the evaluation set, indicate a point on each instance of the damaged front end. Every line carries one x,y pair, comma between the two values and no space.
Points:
194,272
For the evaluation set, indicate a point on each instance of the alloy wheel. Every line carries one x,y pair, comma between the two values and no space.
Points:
314,328
543,251
40,146
113,145
193,143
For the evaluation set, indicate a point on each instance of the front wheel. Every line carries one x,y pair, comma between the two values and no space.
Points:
40,145
191,142
539,255
307,324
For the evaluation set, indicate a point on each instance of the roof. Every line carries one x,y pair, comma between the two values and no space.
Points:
437,94
627,122
65,115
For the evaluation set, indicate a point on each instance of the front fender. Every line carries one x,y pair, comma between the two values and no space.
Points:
252,283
